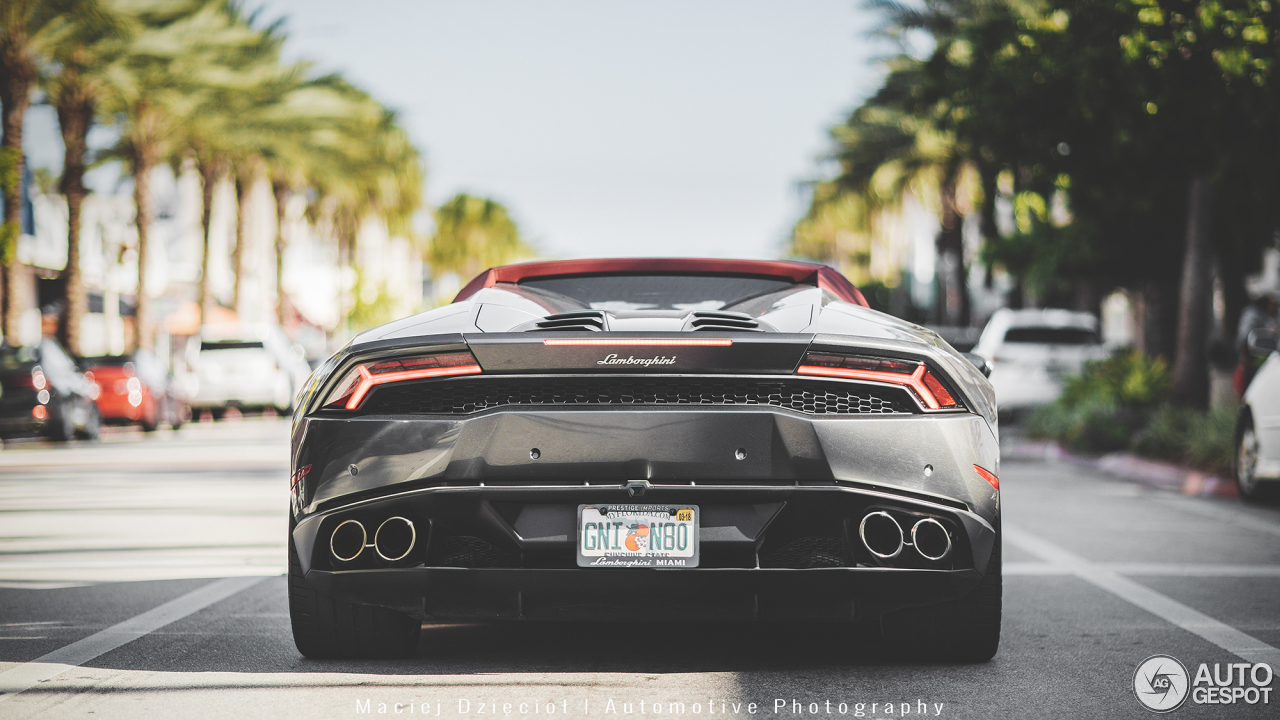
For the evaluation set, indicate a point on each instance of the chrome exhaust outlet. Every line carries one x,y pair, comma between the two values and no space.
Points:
931,539
394,539
881,535
348,540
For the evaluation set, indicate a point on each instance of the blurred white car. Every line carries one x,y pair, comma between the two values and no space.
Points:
1257,458
250,367
1029,352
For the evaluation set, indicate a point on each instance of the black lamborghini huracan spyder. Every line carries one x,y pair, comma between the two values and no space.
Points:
646,439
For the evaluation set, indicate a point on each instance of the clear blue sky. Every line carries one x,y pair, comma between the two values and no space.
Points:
609,128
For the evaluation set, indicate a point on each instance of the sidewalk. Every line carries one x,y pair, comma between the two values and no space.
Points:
1127,466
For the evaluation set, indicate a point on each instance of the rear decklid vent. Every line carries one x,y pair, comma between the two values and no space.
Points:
584,321
724,321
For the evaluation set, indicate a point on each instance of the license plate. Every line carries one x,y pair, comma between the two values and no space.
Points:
638,536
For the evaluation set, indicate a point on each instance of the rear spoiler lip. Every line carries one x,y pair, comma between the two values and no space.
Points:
820,276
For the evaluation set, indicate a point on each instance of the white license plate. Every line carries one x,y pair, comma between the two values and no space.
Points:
638,536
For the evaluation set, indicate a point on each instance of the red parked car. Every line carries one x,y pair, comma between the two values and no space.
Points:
137,389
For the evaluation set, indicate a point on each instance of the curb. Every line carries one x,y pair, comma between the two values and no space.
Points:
1127,466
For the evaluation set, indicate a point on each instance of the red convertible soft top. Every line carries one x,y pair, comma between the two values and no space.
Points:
803,273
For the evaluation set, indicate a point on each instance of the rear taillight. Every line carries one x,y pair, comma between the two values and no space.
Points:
911,374
357,383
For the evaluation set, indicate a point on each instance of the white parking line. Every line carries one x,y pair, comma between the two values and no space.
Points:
1246,647
1164,569
28,675
1215,511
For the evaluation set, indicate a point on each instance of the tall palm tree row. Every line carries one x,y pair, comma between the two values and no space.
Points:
202,82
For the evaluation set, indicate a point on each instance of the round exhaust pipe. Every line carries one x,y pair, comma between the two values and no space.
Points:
394,539
931,539
881,535
348,540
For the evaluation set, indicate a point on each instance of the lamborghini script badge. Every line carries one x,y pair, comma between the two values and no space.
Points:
613,359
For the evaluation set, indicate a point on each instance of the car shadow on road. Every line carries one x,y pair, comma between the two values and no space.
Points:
250,633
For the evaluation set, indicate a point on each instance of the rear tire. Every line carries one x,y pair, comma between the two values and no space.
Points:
965,630
179,416
62,428
325,627
1246,464
92,425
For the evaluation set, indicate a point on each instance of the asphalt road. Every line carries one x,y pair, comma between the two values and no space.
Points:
141,577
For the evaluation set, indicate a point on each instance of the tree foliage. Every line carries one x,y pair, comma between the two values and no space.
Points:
1110,107
473,234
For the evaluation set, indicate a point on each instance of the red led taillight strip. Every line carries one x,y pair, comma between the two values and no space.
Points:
641,342
916,380
988,476
369,380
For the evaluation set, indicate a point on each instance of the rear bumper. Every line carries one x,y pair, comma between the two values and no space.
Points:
20,425
781,496
509,553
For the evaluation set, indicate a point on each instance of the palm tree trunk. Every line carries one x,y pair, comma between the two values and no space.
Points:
75,115
16,77
951,242
209,173
281,191
145,156
1190,368
243,188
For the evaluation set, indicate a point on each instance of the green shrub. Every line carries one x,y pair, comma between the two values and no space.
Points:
1203,440
1102,408
1127,379
1121,404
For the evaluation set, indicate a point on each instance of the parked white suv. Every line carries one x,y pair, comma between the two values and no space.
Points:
248,367
1029,352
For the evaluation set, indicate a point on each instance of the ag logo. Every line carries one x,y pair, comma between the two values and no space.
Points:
1161,683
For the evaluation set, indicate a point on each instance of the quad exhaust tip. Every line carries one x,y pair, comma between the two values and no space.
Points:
931,539
394,539
881,535
884,538
348,540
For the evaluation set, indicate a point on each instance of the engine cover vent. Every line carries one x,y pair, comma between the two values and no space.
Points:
725,321
584,321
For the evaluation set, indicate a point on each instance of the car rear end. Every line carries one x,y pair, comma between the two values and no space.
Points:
24,394
234,373
122,396
1031,352
778,477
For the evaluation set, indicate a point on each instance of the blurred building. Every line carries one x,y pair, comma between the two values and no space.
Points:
318,293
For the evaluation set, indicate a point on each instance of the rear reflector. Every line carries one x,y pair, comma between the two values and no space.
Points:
988,476
362,378
640,342
908,373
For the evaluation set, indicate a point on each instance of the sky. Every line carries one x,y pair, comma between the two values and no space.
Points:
660,127
607,128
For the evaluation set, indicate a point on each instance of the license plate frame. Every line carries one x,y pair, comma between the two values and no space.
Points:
664,523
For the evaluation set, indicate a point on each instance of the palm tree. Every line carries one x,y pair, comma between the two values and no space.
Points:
75,87
362,165
28,28
474,233
156,85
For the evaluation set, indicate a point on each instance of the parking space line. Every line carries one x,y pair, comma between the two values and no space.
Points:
1242,645
1214,512
1151,568
46,667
